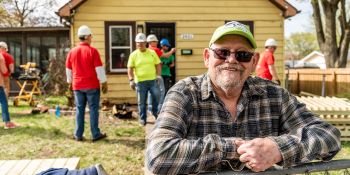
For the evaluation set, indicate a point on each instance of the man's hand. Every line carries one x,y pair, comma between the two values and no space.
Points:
159,79
132,84
70,87
259,154
173,50
104,88
279,82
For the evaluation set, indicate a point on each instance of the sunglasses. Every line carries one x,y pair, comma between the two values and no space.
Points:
223,54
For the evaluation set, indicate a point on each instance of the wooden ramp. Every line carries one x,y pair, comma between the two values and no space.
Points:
333,110
31,167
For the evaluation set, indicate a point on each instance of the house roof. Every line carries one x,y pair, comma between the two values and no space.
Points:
320,54
312,54
288,9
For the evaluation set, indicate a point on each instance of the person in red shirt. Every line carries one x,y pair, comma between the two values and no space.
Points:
9,65
3,100
122,63
84,74
266,68
153,43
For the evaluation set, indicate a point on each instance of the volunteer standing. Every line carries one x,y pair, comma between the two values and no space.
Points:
266,68
9,66
167,63
3,100
84,74
153,42
144,76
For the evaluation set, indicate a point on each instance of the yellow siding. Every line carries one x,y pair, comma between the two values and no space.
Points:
198,17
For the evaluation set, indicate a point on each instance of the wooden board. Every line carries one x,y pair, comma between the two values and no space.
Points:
7,166
31,167
19,167
46,164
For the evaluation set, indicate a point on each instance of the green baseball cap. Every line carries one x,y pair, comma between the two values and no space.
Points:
233,27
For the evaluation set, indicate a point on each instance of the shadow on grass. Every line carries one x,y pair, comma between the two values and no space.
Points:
53,133
137,144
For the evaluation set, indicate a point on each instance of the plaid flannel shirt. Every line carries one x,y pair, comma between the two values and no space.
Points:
195,132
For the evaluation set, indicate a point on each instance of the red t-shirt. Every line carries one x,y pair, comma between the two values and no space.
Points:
82,60
121,65
158,51
8,61
266,58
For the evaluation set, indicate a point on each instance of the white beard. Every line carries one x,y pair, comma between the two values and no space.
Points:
227,82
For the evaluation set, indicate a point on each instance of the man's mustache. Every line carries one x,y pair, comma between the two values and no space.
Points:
230,66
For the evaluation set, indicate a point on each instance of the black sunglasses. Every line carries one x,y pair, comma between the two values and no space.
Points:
223,54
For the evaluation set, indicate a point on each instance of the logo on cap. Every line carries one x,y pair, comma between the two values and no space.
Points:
236,25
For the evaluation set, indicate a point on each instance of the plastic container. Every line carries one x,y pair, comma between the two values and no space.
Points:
57,111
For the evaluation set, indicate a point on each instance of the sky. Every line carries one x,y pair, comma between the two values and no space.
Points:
298,22
294,24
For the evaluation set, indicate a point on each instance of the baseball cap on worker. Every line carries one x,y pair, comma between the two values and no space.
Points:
233,28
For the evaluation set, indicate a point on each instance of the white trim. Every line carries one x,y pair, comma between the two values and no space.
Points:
121,70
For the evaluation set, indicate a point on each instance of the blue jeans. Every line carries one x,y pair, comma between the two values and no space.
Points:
142,89
4,106
161,100
92,96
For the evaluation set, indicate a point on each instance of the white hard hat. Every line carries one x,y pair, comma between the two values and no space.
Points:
3,44
84,30
271,42
122,55
140,37
151,37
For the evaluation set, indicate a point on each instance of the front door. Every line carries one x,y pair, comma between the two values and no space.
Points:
167,31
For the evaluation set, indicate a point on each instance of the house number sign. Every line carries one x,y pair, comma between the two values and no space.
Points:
187,36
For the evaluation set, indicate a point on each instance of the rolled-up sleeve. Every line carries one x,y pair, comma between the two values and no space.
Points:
168,150
303,135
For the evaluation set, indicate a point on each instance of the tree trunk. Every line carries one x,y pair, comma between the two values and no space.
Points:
335,57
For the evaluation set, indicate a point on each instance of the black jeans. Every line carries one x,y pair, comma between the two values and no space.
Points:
166,83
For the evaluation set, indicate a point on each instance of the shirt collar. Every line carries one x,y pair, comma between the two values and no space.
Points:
84,44
250,88
152,48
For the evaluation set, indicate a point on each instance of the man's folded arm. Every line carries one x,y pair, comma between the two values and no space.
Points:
303,135
168,152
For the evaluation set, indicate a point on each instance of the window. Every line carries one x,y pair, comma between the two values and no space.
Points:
249,24
120,47
120,44
64,47
3,39
33,50
15,50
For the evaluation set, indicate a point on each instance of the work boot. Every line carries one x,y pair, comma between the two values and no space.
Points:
103,135
142,123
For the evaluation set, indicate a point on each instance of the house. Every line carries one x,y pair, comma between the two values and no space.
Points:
188,25
317,57
32,44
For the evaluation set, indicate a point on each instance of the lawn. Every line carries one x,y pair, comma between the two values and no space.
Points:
44,136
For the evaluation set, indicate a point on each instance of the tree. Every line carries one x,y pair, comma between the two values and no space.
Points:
28,13
301,44
335,52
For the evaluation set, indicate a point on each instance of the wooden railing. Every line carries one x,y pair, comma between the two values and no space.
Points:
311,80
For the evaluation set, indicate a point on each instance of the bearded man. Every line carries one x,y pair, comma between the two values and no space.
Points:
214,121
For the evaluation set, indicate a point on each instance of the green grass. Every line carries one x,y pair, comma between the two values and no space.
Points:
44,136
